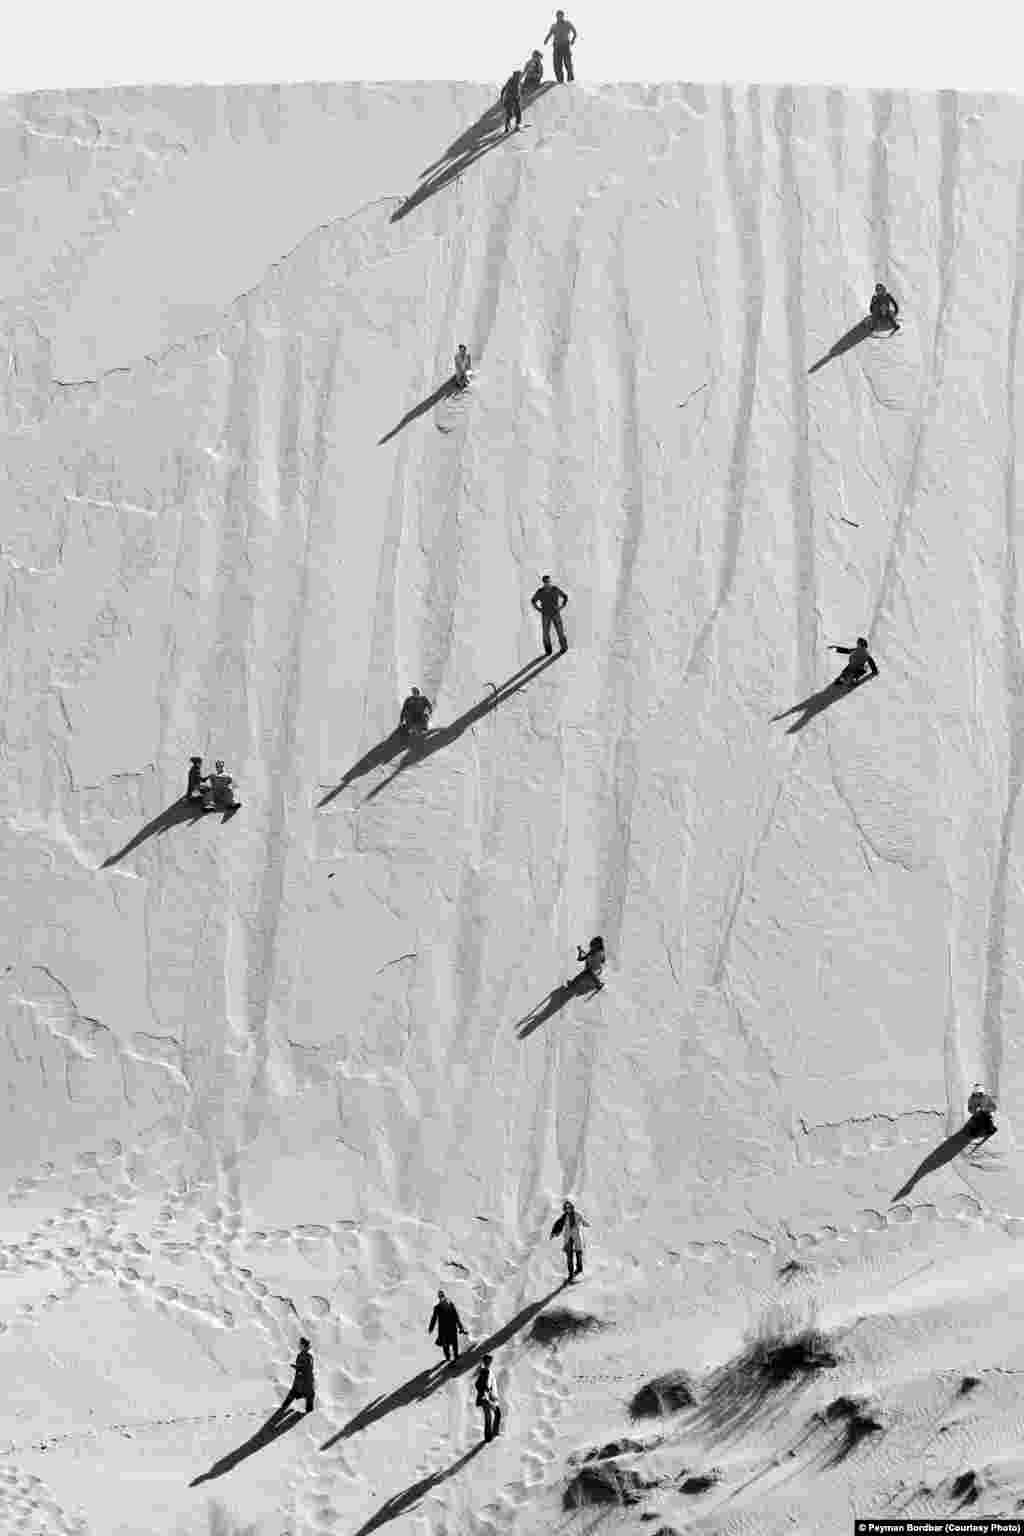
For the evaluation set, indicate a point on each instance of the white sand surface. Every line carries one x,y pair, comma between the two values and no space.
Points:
290,1072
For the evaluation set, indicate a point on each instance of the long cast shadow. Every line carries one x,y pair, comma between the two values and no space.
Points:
441,393
555,1001
426,1382
945,1153
182,810
401,1503
377,756
484,135
265,1435
434,741
858,333
816,702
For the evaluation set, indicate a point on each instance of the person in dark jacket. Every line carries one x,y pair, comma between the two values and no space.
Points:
195,780
512,100
562,33
487,1398
415,714
593,960
449,1325
549,601
884,309
569,1227
860,661
303,1385
981,1107
463,364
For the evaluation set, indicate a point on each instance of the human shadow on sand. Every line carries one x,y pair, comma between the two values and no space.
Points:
582,985
182,810
402,1503
485,134
945,1153
858,333
816,702
272,1430
427,1382
433,741
441,393
377,756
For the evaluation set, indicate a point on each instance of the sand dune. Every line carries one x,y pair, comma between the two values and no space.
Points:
286,1073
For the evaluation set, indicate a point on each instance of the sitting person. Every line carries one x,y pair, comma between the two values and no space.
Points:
861,662
196,780
218,794
533,71
593,960
884,309
980,1109
416,712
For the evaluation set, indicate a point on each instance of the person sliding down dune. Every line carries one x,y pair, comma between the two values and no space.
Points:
415,716
884,309
860,662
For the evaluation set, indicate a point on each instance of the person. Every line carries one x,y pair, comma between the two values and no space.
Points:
593,960
487,1399
218,794
303,1384
533,71
980,1109
549,602
884,309
449,1326
860,661
569,1226
462,366
560,31
415,714
511,100
195,779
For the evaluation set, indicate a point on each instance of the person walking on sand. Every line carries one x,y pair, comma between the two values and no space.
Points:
549,601
487,1398
303,1385
569,1227
562,35
449,1325
511,99
860,661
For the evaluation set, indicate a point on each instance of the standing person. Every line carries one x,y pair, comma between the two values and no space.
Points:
559,32
449,1326
860,661
549,602
303,1385
195,779
511,100
487,1398
569,1226
463,362
884,309
593,960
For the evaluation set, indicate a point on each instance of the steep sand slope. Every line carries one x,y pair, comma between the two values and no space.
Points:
287,1073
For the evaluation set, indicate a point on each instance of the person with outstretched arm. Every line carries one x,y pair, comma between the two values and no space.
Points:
861,661
549,601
